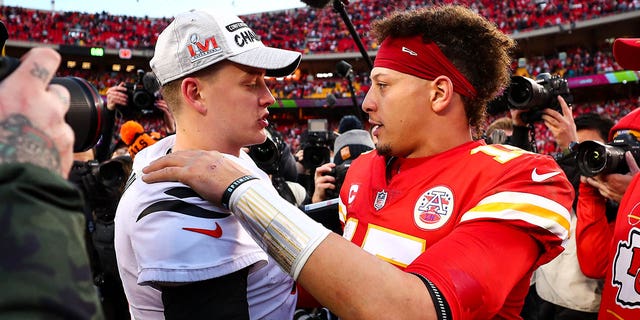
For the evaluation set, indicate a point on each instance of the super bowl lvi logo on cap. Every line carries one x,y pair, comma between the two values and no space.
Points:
199,50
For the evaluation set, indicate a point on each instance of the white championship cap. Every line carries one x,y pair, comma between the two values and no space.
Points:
198,39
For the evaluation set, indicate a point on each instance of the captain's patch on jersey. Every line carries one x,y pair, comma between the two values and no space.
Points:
433,208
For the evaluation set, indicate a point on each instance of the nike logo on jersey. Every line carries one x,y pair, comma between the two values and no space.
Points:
216,233
542,177
409,51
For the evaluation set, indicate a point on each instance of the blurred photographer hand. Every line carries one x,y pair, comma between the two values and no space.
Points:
116,96
169,121
516,119
323,181
613,186
562,126
32,125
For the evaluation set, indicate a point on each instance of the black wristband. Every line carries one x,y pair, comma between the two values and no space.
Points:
443,311
226,196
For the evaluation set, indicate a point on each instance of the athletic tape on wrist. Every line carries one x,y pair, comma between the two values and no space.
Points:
235,184
288,234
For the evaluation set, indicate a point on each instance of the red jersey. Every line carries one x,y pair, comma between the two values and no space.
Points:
593,232
621,293
475,220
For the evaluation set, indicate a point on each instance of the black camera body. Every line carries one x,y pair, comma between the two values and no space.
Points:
142,95
596,158
534,95
317,146
338,172
267,154
101,184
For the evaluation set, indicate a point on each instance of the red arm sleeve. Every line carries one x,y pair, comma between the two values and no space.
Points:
478,266
593,232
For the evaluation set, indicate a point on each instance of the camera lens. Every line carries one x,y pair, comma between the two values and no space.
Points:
143,99
594,158
86,113
520,93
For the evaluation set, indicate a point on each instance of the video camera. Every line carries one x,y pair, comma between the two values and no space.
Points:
596,158
142,95
86,115
534,95
316,149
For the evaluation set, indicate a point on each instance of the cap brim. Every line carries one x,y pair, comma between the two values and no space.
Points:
627,53
276,62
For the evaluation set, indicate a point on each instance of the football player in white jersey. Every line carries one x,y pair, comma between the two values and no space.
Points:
180,256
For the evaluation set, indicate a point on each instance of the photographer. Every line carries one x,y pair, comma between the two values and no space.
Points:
315,151
613,256
45,273
352,140
274,157
595,231
101,185
150,110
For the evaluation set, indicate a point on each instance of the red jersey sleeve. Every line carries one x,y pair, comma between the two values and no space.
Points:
481,282
593,232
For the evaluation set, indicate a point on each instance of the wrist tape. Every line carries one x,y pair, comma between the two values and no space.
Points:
285,232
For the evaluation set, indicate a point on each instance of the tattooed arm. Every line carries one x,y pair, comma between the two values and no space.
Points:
32,125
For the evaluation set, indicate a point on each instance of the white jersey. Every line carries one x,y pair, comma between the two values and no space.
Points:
166,233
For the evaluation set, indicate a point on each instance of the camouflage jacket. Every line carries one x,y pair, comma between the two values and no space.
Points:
44,269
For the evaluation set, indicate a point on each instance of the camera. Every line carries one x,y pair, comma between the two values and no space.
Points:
338,172
101,183
536,95
596,158
142,95
316,150
267,154
87,113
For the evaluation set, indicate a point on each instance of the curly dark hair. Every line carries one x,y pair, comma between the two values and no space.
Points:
478,49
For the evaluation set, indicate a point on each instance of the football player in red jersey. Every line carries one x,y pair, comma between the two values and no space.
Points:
444,227
620,265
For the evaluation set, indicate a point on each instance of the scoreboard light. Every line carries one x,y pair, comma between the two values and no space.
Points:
86,65
116,67
97,52
71,64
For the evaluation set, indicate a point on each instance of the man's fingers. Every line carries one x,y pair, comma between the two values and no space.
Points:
38,66
61,93
171,160
162,174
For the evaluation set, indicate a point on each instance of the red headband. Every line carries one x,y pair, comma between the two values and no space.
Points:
423,60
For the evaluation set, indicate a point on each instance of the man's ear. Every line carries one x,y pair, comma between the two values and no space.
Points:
441,93
190,88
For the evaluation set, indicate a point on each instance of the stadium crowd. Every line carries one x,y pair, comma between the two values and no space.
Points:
321,30
323,34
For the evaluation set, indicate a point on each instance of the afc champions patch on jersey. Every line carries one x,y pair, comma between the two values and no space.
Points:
433,208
